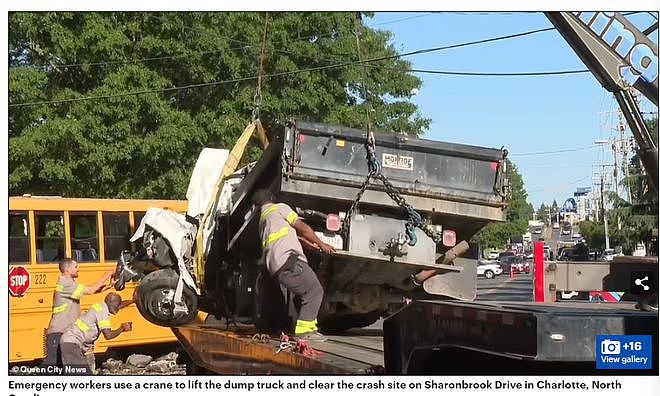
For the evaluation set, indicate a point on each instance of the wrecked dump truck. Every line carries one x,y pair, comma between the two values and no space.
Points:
398,235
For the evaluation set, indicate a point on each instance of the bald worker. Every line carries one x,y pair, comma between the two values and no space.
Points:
79,338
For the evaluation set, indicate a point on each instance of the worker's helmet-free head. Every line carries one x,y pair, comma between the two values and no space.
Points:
262,197
113,300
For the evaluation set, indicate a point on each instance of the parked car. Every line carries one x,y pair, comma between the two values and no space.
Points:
488,270
576,235
516,264
555,225
608,255
493,255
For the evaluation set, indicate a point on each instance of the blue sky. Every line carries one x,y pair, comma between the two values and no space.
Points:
526,115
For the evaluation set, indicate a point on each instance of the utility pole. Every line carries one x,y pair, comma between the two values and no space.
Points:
624,151
602,208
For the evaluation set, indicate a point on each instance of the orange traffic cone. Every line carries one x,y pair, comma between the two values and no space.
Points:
511,273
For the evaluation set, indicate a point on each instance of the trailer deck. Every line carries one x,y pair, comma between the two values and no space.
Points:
244,351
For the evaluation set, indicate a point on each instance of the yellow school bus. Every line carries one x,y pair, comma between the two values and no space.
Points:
94,232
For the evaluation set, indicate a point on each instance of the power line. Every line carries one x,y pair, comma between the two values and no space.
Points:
402,19
107,63
500,74
553,152
246,45
318,68
489,74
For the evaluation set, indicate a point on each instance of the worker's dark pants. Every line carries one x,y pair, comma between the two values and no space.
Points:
52,350
72,356
300,279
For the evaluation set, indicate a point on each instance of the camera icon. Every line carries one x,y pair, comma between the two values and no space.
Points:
609,347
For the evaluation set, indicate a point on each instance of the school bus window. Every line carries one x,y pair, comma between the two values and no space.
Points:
138,218
116,233
49,229
19,238
84,237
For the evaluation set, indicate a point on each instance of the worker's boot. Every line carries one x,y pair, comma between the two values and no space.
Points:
307,330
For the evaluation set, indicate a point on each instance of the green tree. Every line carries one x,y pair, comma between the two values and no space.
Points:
145,145
519,212
542,212
554,208
593,233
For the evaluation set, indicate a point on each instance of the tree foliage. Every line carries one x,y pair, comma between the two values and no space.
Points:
145,145
518,213
542,212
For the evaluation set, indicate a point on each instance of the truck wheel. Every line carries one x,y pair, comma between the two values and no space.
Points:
156,299
338,323
489,274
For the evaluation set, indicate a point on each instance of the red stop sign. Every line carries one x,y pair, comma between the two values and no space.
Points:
19,281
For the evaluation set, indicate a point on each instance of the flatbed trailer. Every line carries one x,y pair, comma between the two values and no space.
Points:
437,337
214,349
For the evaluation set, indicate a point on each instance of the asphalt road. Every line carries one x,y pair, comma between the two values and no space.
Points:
503,288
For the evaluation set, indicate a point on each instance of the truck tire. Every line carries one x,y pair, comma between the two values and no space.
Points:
155,299
489,274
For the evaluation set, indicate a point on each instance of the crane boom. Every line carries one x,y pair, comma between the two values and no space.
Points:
620,57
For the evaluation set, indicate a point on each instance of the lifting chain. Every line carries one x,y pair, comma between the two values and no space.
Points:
374,171
414,218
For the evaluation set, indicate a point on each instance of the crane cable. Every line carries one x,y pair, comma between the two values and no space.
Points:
232,163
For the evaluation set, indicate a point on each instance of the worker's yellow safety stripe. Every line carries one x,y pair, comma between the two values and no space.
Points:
59,288
305,326
60,309
97,307
104,324
291,217
78,292
284,231
82,325
267,212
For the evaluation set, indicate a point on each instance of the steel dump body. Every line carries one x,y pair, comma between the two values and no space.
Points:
417,167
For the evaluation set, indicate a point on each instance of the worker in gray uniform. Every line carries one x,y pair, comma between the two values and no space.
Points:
79,338
66,306
280,229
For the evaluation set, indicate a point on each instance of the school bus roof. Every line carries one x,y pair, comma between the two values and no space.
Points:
43,203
